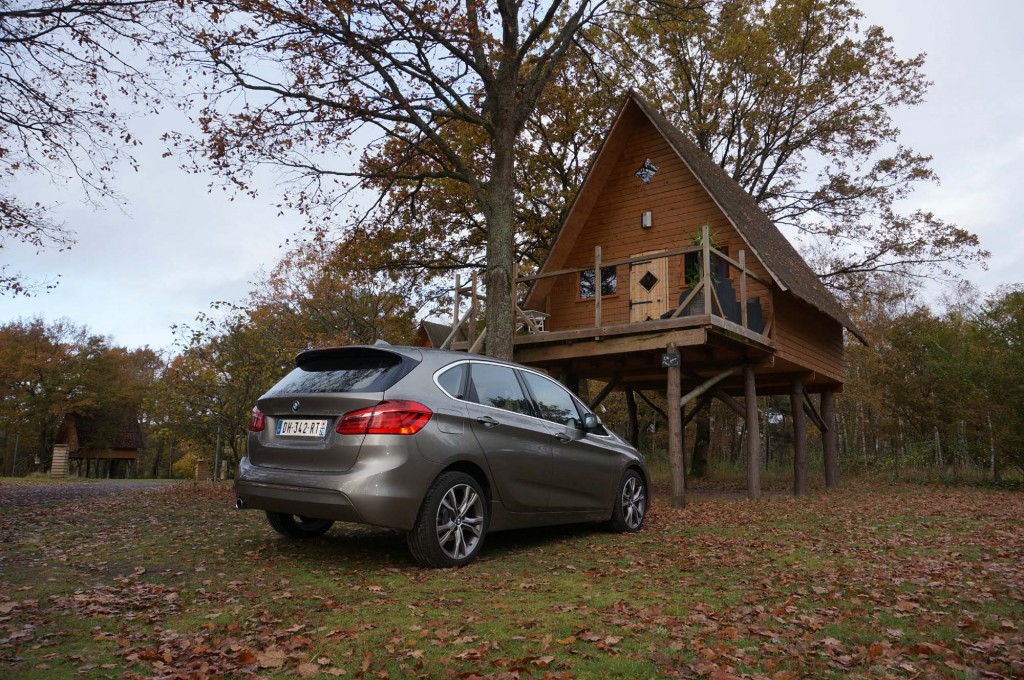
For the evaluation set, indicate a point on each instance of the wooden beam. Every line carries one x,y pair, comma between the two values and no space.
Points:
743,290
813,414
455,329
706,262
723,397
632,329
796,401
753,434
604,393
687,300
475,348
528,354
741,265
675,434
471,328
457,296
612,263
708,384
828,439
597,286
527,320
652,404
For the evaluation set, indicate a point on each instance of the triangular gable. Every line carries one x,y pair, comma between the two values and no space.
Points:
783,263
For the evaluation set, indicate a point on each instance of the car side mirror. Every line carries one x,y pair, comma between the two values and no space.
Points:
590,422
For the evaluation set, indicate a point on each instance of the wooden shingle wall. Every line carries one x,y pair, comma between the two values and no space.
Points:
808,337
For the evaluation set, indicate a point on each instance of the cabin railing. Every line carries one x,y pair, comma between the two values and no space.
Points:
703,286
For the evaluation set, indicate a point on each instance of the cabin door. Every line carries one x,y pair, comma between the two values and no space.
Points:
648,289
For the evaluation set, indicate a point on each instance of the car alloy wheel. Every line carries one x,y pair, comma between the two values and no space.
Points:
452,523
630,503
460,521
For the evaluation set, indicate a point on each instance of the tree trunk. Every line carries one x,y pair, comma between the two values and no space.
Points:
499,212
702,440
632,426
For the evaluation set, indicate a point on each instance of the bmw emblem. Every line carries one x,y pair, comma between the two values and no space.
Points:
295,405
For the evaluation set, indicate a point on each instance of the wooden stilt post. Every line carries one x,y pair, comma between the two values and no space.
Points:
633,427
753,434
829,438
743,290
455,312
675,432
471,331
796,400
705,239
571,381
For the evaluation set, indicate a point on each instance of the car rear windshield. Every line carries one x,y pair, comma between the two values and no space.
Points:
344,372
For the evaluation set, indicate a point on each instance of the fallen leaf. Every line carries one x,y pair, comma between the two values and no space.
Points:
308,670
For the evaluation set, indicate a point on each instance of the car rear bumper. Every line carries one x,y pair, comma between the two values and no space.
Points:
382,493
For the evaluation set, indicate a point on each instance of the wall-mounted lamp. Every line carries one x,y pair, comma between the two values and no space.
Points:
645,219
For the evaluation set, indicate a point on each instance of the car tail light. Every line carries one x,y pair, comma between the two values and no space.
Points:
256,420
387,417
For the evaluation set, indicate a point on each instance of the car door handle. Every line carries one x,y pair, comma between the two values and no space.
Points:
563,437
487,421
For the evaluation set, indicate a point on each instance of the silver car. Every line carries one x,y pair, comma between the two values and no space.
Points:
445,446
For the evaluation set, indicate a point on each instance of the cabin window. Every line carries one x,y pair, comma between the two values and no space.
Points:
609,284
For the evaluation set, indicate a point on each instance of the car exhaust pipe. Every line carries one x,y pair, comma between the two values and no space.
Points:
239,503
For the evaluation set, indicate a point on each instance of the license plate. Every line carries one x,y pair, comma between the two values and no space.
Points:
301,428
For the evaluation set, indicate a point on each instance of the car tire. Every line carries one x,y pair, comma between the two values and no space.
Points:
631,502
295,526
451,524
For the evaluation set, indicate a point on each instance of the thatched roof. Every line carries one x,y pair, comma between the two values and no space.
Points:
772,248
437,333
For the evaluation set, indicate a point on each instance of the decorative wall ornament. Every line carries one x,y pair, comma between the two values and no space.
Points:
646,171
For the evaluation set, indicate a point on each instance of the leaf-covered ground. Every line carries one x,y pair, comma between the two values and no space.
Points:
909,582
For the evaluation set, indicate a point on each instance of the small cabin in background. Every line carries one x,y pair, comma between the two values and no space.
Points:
431,334
97,446
667,275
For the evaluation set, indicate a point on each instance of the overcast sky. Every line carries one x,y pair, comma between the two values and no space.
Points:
178,247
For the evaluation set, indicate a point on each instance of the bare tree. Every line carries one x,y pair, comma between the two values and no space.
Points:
62,65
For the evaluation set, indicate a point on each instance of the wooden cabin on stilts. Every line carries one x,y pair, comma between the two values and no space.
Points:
666,275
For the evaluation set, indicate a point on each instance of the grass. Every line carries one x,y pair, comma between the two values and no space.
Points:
867,580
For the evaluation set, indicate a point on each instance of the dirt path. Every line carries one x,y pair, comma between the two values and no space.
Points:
51,493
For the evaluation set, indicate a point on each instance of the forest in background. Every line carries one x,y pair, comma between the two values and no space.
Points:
792,98
938,392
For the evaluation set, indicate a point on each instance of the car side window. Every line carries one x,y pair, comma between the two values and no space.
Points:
497,386
452,381
555,402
